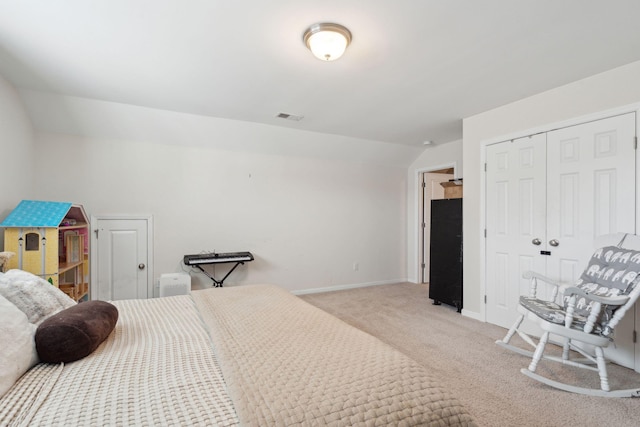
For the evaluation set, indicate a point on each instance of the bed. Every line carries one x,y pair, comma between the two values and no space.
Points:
250,355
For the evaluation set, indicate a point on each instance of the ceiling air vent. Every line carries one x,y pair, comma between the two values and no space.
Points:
287,116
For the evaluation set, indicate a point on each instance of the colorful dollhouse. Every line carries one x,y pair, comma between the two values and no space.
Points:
51,240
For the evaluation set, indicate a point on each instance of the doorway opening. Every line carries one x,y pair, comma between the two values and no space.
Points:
429,188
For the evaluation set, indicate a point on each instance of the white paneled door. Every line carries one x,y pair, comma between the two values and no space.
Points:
549,196
122,252
590,189
516,216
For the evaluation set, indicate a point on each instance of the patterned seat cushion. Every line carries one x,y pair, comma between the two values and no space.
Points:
554,313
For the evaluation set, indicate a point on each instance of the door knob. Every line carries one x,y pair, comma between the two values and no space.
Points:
141,266
554,242
536,241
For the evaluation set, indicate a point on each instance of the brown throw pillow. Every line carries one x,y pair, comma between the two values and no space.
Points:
75,332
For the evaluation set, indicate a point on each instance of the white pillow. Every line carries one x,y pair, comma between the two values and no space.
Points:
20,355
34,296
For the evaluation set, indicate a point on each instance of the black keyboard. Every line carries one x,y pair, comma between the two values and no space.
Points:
214,258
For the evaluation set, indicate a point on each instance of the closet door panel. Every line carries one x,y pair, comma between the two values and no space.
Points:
515,217
590,189
590,193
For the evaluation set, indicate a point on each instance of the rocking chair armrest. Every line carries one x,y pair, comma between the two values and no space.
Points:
618,300
533,277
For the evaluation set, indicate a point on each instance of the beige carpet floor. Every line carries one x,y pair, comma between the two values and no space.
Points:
463,354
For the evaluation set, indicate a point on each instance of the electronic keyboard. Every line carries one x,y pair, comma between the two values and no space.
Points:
217,258
198,260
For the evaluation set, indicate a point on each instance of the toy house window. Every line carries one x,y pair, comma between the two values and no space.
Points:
32,242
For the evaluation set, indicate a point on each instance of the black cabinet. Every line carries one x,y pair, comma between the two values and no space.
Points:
445,262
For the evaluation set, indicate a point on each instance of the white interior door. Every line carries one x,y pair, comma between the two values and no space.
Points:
590,189
516,211
122,265
591,193
431,190
548,198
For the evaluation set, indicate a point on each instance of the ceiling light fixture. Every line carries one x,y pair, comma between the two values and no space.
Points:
327,41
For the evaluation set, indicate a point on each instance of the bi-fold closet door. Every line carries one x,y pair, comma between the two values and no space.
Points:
548,197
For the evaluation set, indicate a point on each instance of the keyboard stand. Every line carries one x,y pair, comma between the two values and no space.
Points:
218,283
217,258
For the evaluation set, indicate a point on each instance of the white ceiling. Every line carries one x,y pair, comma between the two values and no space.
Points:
414,70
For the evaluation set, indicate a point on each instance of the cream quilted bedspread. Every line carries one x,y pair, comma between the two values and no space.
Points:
287,363
155,369
251,355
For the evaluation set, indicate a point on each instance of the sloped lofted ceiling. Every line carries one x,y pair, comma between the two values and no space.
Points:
414,70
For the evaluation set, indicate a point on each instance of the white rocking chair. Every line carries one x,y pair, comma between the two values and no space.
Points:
586,313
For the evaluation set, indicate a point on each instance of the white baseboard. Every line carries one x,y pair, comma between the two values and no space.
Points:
473,315
345,287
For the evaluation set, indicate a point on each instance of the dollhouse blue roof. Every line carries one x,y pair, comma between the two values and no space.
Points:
36,213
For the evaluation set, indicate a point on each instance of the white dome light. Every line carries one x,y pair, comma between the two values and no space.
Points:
327,41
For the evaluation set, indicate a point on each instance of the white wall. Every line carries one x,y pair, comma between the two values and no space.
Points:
16,151
434,157
612,89
307,205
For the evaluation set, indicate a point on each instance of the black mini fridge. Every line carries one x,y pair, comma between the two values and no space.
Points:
445,260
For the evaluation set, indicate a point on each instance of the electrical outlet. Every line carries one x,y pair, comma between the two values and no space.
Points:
356,266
